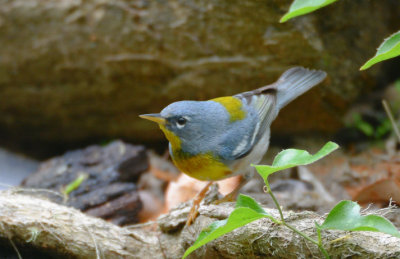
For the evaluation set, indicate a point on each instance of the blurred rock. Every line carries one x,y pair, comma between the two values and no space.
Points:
14,168
81,71
152,206
109,187
296,189
307,176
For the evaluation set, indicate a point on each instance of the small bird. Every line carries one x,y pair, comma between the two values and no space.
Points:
220,138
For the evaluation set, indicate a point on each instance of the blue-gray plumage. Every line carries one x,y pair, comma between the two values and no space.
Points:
232,131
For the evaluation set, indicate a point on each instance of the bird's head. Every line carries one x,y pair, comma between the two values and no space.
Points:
189,122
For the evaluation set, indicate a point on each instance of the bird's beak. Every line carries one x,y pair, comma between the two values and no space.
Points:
156,117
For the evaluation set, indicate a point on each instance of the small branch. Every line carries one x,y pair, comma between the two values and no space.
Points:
391,118
11,242
15,248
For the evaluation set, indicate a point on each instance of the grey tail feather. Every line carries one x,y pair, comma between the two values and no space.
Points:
295,82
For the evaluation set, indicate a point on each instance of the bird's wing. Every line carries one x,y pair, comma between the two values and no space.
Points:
267,101
263,101
239,141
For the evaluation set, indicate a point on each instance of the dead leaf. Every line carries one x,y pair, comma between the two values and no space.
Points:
380,191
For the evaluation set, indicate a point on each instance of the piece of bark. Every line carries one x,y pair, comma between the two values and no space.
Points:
117,161
71,234
120,211
109,189
102,195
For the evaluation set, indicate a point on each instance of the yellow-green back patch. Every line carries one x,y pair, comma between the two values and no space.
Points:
234,107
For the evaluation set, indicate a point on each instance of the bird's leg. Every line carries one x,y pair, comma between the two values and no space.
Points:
233,194
196,203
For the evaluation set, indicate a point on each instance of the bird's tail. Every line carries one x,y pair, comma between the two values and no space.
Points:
295,82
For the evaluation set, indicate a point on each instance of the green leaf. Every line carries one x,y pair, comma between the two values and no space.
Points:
363,126
247,210
346,216
384,128
300,7
75,184
390,48
294,157
244,201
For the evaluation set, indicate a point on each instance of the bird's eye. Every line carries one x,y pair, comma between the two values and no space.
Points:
181,122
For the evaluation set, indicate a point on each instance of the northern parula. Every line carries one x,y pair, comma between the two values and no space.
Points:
219,138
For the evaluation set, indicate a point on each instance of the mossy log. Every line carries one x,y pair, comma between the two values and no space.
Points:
68,233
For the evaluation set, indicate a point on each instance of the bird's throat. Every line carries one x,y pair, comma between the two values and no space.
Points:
172,138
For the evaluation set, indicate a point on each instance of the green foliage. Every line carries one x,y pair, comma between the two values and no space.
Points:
346,216
301,7
390,48
294,157
247,210
384,127
362,125
105,142
74,184
381,130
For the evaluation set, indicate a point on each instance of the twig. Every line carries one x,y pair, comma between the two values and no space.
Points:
15,248
94,242
23,190
390,115
12,242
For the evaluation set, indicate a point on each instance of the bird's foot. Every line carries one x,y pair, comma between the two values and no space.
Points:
230,197
194,211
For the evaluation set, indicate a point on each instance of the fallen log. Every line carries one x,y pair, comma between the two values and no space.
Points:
41,225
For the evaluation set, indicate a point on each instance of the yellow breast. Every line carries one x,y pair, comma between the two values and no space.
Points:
201,166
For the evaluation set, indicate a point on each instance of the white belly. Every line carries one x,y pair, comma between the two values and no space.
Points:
242,166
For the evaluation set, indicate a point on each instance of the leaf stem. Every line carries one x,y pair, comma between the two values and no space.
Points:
275,201
318,243
317,227
321,248
301,233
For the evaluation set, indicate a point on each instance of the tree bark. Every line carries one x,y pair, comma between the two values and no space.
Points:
68,232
